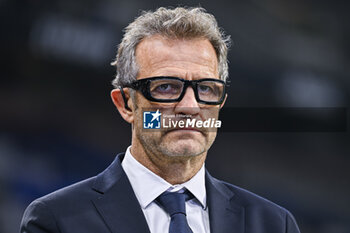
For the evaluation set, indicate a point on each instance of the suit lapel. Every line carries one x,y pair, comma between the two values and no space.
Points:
225,215
117,203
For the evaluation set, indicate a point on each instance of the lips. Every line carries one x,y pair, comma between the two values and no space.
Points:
186,129
171,124
189,129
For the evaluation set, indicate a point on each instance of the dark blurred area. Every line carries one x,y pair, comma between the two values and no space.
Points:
58,124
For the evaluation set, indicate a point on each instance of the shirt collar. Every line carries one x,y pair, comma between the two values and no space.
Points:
148,186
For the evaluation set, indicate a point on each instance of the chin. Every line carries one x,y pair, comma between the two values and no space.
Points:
186,148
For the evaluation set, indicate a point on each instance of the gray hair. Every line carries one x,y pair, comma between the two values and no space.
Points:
177,23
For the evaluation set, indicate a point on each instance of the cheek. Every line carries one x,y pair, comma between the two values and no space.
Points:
211,112
212,136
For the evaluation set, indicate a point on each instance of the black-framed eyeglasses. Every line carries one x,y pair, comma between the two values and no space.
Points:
165,89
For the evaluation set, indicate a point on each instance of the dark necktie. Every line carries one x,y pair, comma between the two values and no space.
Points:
174,204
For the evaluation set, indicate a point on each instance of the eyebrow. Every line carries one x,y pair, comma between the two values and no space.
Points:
194,77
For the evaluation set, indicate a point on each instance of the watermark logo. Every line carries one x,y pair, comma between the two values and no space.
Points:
168,120
152,120
249,120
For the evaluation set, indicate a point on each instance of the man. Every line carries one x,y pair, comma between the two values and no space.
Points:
172,61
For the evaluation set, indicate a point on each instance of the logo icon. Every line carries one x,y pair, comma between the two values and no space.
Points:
151,120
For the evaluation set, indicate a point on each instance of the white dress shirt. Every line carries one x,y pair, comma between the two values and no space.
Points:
148,186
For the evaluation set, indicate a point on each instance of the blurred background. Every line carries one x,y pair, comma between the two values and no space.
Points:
58,124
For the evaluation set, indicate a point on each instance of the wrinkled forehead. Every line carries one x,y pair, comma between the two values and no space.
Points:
158,55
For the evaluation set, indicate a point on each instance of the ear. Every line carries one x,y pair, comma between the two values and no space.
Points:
117,98
222,104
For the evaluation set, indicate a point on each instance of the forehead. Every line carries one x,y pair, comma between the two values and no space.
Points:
186,58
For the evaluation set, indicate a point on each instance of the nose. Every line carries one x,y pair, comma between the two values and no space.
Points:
188,105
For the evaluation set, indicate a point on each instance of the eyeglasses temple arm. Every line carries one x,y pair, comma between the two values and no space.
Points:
124,98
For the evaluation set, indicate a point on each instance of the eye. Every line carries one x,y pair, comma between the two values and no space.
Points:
164,87
205,89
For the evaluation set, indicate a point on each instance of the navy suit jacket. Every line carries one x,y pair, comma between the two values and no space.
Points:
107,203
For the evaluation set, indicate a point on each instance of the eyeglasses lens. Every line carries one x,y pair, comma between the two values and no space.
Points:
171,89
166,88
210,91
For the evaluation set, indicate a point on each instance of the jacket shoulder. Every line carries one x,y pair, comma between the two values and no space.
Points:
260,210
248,198
44,213
75,192
66,200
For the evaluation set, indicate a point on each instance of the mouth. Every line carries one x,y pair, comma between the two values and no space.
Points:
183,125
186,130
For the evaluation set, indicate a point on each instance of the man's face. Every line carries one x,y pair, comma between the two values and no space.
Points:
187,59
